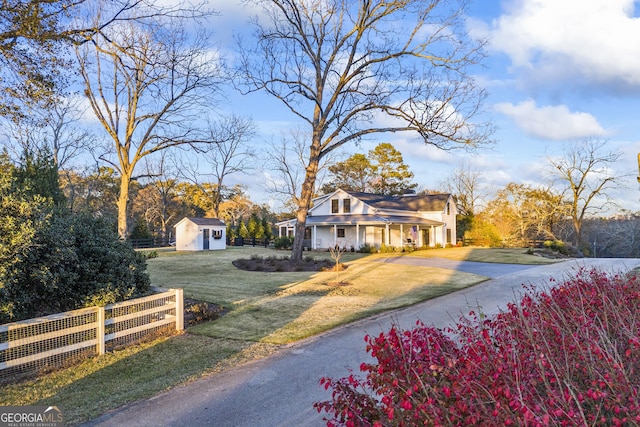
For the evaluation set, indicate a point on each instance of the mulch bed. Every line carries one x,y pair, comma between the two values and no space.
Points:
550,254
196,312
284,264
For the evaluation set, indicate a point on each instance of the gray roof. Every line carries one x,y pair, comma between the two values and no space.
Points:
410,202
206,221
368,219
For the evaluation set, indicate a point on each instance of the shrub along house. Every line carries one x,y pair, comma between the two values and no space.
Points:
200,234
353,219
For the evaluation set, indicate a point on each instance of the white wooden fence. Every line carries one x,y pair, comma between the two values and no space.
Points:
60,339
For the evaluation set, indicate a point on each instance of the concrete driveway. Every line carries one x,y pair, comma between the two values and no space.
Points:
488,269
280,390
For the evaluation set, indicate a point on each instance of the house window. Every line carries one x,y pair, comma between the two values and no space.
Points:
217,234
334,205
448,209
448,235
340,232
346,206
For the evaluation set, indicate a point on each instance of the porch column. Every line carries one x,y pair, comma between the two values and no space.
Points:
419,236
432,236
357,236
335,235
387,236
313,236
401,235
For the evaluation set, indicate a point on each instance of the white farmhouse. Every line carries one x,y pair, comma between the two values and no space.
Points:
200,234
354,219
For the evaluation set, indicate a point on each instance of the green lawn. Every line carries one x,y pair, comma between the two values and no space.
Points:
279,308
266,311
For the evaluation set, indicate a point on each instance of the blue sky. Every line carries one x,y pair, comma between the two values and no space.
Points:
558,72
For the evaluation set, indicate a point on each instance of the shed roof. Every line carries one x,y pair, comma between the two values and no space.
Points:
204,221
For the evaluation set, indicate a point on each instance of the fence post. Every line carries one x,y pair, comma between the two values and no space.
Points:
179,310
100,332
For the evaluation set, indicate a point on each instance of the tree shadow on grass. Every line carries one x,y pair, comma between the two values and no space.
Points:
104,383
132,374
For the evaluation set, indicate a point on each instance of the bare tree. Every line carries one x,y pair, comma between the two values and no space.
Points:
162,205
54,130
288,159
35,36
522,213
229,155
627,234
67,139
465,182
237,206
350,69
336,253
616,236
147,85
584,174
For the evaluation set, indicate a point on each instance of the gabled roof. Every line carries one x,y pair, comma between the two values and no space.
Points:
352,219
203,221
411,202
369,219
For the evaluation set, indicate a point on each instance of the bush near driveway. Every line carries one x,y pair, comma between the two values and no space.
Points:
567,356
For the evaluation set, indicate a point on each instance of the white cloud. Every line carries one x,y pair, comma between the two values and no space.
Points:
551,122
595,39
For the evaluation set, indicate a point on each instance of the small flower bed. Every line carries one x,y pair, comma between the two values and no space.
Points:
563,357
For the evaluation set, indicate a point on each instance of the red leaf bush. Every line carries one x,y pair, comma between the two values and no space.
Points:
567,356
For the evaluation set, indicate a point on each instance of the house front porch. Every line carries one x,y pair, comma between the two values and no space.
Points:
356,231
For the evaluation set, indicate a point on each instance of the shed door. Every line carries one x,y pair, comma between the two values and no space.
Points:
205,239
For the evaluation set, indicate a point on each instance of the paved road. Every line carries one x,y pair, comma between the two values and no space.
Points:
280,390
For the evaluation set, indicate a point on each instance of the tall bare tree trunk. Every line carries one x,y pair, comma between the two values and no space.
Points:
123,206
304,202
326,62
577,220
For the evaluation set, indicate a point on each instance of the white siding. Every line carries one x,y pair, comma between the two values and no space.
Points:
357,206
326,237
221,243
449,219
189,236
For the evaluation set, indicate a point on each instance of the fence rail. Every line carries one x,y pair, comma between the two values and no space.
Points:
151,242
248,241
32,345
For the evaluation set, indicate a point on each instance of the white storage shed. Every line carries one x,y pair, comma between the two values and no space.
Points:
200,234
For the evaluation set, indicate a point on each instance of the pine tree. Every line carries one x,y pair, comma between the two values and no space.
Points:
392,174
